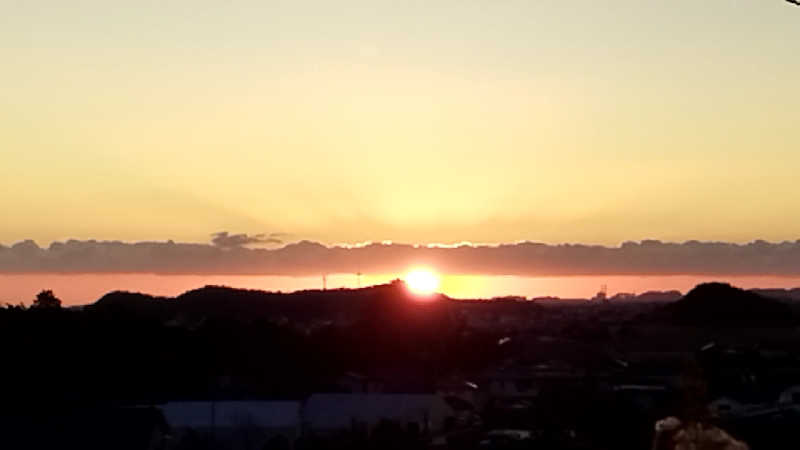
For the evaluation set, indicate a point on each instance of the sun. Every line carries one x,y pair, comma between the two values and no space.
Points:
422,281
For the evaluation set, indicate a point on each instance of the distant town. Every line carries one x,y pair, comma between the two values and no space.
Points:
383,367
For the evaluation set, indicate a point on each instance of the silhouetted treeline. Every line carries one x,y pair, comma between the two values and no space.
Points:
222,342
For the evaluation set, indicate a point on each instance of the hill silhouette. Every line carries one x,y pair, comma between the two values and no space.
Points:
722,304
249,304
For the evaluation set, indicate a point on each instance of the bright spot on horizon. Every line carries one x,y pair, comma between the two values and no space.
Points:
422,281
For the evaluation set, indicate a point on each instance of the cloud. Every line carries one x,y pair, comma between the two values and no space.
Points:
229,254
224,239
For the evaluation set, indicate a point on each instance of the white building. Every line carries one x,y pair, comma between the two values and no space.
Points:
239,424
324,413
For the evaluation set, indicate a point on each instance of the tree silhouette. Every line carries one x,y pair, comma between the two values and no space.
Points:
46,300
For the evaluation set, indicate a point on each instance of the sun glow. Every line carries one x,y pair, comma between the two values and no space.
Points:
422,281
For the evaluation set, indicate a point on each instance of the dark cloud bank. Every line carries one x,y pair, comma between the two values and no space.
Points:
226,240
228,254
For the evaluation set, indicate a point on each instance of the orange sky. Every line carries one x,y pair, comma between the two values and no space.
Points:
87,288
420,122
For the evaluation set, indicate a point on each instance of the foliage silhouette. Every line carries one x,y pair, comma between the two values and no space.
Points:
46,300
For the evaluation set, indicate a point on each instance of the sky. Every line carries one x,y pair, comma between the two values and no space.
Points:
415,121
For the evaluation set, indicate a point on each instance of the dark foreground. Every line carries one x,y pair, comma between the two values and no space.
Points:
378,368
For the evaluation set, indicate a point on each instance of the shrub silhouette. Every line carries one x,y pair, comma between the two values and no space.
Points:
46,300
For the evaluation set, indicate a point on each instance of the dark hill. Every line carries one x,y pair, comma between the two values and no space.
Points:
131,304
246,304
722,304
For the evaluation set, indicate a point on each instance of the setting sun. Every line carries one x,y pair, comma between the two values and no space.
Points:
422,281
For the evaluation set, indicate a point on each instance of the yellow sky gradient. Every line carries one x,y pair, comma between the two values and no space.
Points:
352,121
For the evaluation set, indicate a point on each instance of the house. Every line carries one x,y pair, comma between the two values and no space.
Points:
236,424
790,397
354,382
328,413
642,397
530,380
513,384
664,368
464,390
726,406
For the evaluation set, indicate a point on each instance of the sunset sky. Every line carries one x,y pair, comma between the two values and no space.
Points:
415,121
